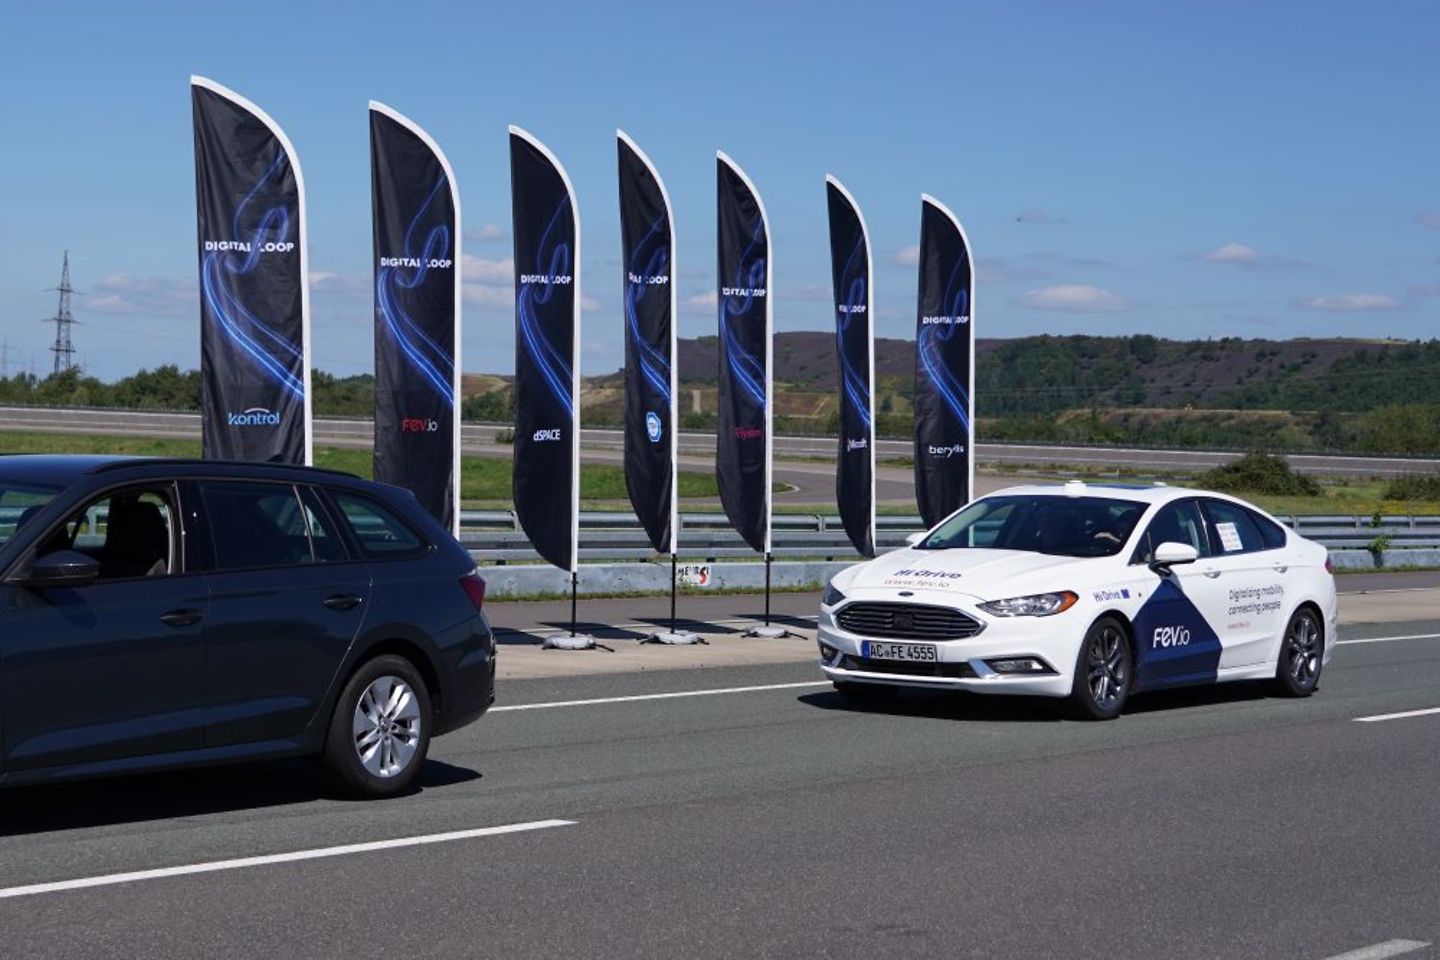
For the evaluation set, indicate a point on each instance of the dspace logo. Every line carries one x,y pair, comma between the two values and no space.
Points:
254,417
547,436
418,425
653,428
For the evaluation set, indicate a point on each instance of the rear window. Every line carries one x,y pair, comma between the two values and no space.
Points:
255,524
18,504
1232,528
379,532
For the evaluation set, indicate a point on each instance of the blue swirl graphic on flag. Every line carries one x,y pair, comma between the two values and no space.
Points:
651,258
748,372
433,362
956,304
272,352
853,381
552,365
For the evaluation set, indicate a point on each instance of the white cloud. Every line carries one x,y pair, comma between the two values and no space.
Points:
124,293
481,270
1428,218
486,234
1075,297
703,301
590,303
907,256
488,295
1232,253
1348,302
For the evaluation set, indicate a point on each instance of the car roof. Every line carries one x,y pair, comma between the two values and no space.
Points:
65,469
1143,493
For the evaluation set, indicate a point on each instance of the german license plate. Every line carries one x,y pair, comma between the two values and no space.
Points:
914,652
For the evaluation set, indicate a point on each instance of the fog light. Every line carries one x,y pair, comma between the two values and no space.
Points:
1019,665
827,653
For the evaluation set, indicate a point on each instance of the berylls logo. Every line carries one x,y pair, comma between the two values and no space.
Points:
254,417
415,263
954,450
1171,637
245,246
653,428
851,445
943,321
547,436
418,425
1104,596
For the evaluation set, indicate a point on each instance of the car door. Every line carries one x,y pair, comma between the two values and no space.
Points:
112,669
286,603
1176,639
1253,575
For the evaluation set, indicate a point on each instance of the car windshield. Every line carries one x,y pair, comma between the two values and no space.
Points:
18,503
1037,523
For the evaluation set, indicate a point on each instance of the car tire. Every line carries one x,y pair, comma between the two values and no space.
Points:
1302,653
1103,671
380,730
865,692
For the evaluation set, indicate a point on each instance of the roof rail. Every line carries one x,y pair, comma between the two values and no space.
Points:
197,462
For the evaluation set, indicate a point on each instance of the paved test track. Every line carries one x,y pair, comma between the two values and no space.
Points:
779,822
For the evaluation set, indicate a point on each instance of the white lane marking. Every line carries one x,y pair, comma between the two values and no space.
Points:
552,704
211,867
1413,636
1404,714
1379,951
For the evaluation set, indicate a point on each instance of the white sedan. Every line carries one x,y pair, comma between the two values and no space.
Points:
1086,591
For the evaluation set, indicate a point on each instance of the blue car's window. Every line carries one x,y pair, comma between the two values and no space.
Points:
379,532
1040,523
19,503
256,524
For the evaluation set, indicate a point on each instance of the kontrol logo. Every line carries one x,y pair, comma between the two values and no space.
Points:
653,428
254,417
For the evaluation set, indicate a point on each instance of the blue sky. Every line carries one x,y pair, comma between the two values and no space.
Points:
1189,170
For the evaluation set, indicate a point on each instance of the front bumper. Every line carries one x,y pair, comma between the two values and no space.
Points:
964,664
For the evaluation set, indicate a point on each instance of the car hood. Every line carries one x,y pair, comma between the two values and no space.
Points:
982,574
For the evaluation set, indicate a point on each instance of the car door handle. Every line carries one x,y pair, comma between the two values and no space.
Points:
342,601
1212,574
181,618
1281,568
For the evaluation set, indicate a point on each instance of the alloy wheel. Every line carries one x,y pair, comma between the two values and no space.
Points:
387,727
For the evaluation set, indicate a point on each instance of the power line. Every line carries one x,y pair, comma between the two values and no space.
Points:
64,346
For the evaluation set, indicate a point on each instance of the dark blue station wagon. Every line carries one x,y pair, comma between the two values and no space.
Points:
164,613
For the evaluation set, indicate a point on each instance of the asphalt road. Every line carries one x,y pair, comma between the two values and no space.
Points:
699,448
780,822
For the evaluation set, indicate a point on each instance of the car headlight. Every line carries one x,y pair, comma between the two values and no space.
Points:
831,596
1035,605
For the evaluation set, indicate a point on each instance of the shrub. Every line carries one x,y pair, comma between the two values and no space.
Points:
1261,473
1414,486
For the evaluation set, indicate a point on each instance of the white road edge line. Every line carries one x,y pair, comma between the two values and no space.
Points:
1379,951
216,865
1403,715
1413,636
552,704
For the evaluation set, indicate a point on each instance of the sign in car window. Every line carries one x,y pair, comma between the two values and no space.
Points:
1229,537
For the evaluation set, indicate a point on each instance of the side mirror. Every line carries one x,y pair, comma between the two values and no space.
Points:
1171,554
911,539
63,568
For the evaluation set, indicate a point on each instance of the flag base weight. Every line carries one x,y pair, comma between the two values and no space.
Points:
569,641
674,639
767,632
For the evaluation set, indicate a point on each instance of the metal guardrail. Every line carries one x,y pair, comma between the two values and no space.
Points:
495,535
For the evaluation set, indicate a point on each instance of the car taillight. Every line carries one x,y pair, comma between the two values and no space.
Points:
474,588
1329,567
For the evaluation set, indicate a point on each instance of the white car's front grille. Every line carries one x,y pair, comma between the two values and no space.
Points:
907,621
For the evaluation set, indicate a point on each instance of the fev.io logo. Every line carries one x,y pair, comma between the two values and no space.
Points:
418,425
1177,636
653,428
253,417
